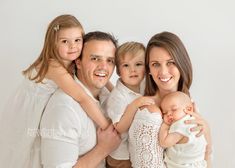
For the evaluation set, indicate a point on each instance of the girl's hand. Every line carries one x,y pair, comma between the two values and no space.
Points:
202,125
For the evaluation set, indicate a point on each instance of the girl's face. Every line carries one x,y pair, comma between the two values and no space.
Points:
132,70
69,44
163,70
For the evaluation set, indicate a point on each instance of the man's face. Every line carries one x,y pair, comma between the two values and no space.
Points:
97,64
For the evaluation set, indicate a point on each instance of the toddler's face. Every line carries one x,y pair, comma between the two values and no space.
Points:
132,69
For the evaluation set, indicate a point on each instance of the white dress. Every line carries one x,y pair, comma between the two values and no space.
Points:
144,147
187,155
19,123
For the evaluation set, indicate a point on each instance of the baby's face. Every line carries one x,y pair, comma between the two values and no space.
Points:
172,110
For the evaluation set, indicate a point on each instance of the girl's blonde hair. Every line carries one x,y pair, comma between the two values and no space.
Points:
49,51
128,47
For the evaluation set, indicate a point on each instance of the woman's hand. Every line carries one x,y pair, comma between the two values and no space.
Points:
202,125
203,128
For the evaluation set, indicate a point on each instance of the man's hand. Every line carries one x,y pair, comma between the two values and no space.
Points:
108,139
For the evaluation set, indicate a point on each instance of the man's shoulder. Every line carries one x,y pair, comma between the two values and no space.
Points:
63,103
62,108
60,97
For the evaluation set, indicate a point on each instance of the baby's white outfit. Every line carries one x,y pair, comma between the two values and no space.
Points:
187,155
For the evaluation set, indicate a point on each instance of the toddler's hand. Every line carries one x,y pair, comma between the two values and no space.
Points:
143,101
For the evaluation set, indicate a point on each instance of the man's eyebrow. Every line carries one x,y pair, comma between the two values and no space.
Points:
94,55
99,56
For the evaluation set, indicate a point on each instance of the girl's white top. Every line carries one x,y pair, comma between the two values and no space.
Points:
19,124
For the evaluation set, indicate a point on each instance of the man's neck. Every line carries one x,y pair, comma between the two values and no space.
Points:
95,92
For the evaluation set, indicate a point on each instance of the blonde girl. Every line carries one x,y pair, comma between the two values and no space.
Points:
20,120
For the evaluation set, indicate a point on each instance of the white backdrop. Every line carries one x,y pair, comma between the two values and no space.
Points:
207,28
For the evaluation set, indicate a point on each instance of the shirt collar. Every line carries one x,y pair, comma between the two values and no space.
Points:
102,95
121,86
85,88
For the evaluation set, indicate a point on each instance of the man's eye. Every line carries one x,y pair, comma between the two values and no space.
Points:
111,61
94,58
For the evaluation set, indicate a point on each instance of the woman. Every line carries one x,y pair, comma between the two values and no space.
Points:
168,69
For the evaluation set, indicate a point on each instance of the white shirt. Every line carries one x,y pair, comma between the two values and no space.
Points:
66,130
115,106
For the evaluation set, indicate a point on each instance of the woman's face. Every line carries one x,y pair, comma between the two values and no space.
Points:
163,70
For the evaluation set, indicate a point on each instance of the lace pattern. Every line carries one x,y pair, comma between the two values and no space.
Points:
145,151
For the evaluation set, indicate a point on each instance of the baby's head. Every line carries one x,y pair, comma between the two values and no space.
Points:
129,59
174,105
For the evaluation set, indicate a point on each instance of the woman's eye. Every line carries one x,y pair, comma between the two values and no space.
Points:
171,63
155,64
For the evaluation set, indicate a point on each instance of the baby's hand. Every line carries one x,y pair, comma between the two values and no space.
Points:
143,101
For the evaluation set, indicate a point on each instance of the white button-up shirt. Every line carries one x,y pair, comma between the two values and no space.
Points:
66,131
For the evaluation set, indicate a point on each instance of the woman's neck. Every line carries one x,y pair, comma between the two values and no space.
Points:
160,95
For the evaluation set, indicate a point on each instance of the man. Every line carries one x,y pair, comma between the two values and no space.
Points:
69,137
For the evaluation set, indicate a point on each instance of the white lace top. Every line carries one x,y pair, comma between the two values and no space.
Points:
144,147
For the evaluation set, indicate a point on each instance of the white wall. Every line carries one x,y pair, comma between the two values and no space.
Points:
207,28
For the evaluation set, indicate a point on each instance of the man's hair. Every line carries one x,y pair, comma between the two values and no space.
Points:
101,36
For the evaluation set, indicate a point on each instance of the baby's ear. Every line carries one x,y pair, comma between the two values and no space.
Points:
189,108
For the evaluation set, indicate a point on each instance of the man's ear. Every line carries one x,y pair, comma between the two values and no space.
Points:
78,63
